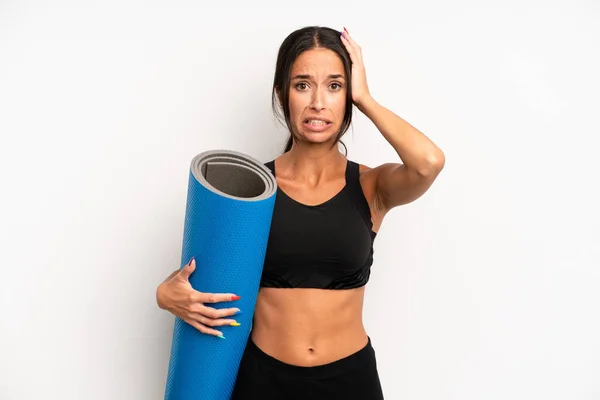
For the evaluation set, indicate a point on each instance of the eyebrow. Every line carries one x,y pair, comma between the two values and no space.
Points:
307,76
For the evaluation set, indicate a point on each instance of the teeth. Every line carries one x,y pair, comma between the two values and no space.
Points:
316,122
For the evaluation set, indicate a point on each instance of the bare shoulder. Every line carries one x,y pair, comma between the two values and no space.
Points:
391,185
368,181
368,176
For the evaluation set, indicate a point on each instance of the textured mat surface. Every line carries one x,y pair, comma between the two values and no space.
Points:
227,220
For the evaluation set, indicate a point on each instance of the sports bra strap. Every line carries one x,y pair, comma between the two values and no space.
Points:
271,166
356,191
352,171
354,188
352,174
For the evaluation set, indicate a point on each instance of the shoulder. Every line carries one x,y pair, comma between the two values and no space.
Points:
270,164
369,173
368,182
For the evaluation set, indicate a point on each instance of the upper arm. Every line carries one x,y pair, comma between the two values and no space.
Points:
391,184
396,185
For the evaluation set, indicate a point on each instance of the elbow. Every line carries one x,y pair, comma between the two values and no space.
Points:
433,165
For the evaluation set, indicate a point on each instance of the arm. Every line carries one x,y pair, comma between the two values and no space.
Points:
402,183
393,184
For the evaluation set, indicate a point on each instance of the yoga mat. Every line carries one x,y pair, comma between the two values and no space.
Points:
228,215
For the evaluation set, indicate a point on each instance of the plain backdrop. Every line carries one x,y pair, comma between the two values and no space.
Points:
484,288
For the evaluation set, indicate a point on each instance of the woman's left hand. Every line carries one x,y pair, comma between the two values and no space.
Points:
360,89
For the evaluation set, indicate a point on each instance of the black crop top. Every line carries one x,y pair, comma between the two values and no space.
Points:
326,246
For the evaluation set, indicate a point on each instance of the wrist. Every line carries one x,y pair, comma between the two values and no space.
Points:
365,103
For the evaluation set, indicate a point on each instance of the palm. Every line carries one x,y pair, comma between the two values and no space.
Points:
360,89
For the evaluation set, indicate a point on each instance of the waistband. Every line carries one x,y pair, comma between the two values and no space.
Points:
363,358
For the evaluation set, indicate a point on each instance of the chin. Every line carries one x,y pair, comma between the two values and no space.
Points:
320,137
324,136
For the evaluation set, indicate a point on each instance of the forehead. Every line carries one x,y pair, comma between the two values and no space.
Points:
317,62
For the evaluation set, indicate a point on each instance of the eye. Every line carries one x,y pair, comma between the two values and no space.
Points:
336,86
302,86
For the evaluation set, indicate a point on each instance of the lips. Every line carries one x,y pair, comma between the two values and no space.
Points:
316,124
317,121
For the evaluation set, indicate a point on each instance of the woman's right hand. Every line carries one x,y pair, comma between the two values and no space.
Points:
177,296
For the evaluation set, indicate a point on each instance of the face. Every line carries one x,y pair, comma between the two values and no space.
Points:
317,95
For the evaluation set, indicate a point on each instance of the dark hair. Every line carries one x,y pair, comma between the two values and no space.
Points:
303,39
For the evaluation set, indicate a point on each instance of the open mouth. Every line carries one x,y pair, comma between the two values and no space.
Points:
316,125
316,121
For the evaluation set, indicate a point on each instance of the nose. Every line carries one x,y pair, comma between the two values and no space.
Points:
317,102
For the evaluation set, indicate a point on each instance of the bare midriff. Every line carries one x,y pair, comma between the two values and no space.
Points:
309,327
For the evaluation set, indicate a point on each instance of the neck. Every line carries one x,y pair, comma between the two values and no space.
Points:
313,162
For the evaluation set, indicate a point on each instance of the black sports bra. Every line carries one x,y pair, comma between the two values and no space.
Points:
326,246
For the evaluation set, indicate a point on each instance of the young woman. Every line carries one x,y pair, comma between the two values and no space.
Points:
308,340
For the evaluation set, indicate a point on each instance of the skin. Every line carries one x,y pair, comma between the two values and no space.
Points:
309,327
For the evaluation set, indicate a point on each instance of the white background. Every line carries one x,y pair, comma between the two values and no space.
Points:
485,288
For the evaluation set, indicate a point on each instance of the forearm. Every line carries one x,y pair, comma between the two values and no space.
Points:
416,150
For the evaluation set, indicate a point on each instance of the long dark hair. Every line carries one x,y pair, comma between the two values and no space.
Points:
297,42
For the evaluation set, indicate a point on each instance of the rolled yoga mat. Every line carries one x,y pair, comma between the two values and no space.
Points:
228,215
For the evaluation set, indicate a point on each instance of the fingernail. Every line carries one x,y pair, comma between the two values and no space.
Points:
235,324
221,336
190,262
238,312
236,297
346,29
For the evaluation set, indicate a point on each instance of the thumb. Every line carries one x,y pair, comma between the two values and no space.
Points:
188,269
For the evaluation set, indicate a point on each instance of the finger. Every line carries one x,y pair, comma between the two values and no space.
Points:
202,297
353,43
204,320
351,51
215,313
172,275
187,270
205,329
211,311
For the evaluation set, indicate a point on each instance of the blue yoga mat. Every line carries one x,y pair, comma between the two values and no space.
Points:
228,215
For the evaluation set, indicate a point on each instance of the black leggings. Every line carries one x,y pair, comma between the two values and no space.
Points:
262,377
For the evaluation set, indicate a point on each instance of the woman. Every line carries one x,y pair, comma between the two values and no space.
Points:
307,338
